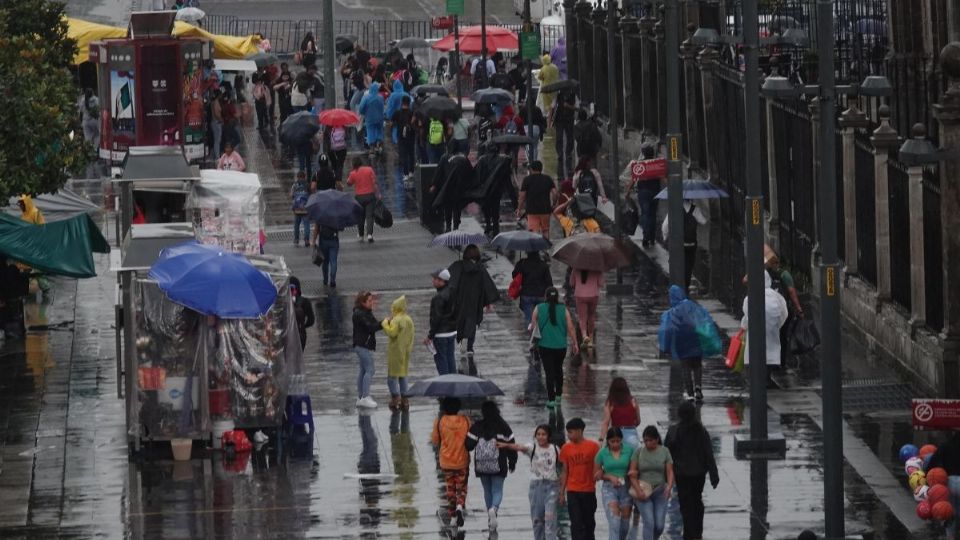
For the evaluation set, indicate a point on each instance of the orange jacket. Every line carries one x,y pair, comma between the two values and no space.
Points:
450,434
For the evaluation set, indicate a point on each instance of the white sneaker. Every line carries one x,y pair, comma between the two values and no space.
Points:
367,402
688,397
492,518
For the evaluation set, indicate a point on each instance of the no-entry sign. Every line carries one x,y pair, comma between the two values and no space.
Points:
648,169
936,414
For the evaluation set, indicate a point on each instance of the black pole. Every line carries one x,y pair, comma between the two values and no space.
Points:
832,393
674,165
612,89
456,66
483,43
528,27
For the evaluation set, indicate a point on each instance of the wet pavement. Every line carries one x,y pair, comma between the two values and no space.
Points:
65,468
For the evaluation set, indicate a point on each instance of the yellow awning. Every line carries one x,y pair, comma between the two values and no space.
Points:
230,47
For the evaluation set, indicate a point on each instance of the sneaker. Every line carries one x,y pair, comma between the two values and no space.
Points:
360,238
459,515
698,394
333,284
306,243
367,403
370,238
492,518
551,404
688,396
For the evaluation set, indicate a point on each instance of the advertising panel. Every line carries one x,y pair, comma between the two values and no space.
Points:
159,96
194,127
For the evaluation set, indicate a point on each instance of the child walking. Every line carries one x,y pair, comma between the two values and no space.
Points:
450,434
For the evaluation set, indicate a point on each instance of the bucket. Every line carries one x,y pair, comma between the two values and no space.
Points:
219,402
219,428
181,449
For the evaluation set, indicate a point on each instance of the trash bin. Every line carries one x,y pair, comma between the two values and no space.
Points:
429,218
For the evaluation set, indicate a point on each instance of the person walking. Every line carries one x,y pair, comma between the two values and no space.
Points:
544,488
537,195
300,92
460,135
302,309
365,327
327,240
216,122
454,179
587,179
472,290
553,322
563,117
262,99
436,140
494,175
687,333
90,118
31,214
230,160
491,462
620,410
535,129
692,218
367,192
449,433
372,109
399,330
335,146
610,467
689,445
282,86
549,73
651,476
776,315
534,282
441,338
587,137
647,190
308,50
405,136
577,483
325,178
586,292
299,194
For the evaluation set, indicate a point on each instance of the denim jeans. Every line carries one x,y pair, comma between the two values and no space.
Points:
543,508
305,156
630,437
533,131
492,489
217,129
527,303
446,357
397,386
367,201
329,248
365,373
647,203
620,497
653,512
301,221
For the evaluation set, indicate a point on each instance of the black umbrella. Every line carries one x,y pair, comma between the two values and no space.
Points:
511,138
263,59
437,106
567,84
334,209
344,43
520,241
455,385
299,127
493,96
412,43
427,89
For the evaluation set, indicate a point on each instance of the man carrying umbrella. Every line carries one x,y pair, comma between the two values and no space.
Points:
453,180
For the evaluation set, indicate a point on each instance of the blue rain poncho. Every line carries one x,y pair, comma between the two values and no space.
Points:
686,329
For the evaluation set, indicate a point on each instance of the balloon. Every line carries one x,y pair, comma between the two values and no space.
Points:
942,511
926,450
926,461
917,479
924,511
936,476
913,465
937,494
920,494
907,451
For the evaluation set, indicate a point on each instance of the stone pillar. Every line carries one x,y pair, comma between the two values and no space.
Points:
584,44
598,85
708,62
688,55
814,261
884,139
573,47
947,113
918,282
773,218
849,120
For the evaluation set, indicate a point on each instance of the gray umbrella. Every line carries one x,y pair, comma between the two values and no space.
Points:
264,59
412,43
493,96
511,138
344,43
427,89
567,84
520,241
454,385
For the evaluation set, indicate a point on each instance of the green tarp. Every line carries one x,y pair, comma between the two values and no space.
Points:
63,248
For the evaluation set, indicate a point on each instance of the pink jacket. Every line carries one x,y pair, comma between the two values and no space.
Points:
232,162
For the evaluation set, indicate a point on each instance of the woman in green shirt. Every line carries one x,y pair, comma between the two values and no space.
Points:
611,466
651,475
555,327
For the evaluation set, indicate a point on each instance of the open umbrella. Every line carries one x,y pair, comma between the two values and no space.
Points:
498,39
437,106
190,14
339,118
299,127
458,239
334,209
697,189
520,241
455,385
344,43
412,43
213,281
511,138
493,96
590,251
566,84
427,89
264,59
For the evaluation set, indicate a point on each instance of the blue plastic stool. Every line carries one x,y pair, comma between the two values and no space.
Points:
298,414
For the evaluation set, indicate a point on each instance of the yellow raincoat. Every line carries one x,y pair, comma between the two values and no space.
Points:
549,74
399,328
30,212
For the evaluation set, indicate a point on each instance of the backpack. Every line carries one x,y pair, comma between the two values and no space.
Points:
435,133
511,126
583,206
486,456
689,227
338,139
300,195
588,183
556,455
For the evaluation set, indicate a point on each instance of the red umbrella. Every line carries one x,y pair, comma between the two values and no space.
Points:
338,118
498,39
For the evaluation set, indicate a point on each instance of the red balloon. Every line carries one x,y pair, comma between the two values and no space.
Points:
942,511
936,475
937,494
926,449
923,510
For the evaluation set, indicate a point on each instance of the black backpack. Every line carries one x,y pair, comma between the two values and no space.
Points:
689,227
589,183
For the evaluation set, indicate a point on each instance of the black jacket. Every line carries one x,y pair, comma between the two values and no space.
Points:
500,430
692,452
442,313
536,276
365,327
588,137
471,289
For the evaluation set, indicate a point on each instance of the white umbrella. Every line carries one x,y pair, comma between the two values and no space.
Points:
190,14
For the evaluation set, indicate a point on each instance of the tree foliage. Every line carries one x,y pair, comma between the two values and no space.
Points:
41,139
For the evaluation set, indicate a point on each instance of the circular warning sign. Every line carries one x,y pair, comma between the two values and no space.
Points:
923,412
637,169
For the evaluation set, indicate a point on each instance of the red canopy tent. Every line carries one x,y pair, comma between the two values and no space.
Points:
498,39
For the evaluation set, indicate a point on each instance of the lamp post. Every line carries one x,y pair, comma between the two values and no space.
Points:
674,165
330,49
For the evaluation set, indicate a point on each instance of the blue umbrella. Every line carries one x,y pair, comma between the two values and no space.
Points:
299,127
458,239
520,241
697,189
213,281
334,209
454,385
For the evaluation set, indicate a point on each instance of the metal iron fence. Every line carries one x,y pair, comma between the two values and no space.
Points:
866,207
796,193
899,233
933,248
